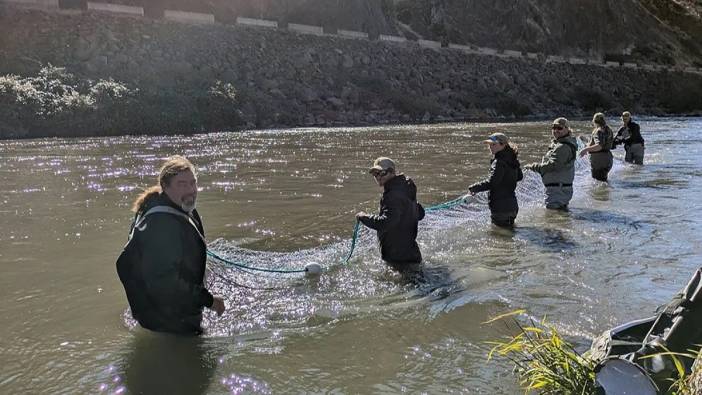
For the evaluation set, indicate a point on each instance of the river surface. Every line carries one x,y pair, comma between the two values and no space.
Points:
284,198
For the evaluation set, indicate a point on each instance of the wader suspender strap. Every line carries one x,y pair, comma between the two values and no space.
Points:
168,210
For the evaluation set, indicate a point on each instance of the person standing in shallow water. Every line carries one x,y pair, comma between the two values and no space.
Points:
629,134
162,266
599,148
557,168
505,172
397,222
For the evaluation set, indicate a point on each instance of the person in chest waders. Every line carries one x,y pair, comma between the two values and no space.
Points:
629,134
505,172
599,148
162,267
397,222
557,167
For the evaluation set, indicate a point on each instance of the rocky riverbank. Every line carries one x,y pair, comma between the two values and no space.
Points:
188,78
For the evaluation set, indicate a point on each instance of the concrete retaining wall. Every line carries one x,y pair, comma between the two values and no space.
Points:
188,17
48,4
486,51
512,54
116,8
555,59
577,61
305,29
429,44
352,34
256,22
396,39
193,17
460,47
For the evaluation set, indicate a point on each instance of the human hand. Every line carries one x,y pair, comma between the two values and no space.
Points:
360,215
583,152
218,305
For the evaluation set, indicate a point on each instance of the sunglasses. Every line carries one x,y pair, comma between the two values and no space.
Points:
556,127
379,174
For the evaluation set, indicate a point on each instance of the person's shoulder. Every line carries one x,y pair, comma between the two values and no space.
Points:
161,222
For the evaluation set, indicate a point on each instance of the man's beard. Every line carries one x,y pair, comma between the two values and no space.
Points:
188,204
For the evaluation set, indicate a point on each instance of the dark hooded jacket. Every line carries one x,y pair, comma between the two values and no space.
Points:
167,260
505,171
632,137
397,221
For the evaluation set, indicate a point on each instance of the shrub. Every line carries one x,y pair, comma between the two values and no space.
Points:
544,361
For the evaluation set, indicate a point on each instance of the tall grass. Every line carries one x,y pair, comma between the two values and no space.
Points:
544,361
548,364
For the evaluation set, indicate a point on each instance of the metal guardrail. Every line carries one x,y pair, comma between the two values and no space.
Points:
200,18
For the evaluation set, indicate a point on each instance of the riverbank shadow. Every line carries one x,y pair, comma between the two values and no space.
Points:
168,364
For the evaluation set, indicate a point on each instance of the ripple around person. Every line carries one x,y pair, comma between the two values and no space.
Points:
280,294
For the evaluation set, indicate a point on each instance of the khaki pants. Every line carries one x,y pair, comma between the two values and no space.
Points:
558,197
634,154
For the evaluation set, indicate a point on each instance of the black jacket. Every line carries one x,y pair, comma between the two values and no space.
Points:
168,268
633,137
397,221
505,171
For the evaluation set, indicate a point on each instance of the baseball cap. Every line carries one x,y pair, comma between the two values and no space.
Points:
562,122
495,138
382,164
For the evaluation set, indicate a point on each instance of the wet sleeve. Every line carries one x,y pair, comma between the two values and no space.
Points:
496,174
162,259
555,159
389,216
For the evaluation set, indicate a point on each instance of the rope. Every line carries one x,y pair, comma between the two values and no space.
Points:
442,206
260,269
356,230
354,239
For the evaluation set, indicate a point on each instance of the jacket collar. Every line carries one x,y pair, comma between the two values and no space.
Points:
395,182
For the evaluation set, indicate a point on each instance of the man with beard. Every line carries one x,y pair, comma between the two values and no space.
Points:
397,222
162,266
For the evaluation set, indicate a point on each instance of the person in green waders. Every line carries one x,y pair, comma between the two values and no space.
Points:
397,222
162,267
557,167
599,148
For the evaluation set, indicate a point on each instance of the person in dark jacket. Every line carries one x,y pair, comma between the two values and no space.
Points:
629,134
163,264
599,148
505,172
397,222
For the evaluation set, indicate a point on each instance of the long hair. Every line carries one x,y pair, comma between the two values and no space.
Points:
513,147
599,120
171,168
